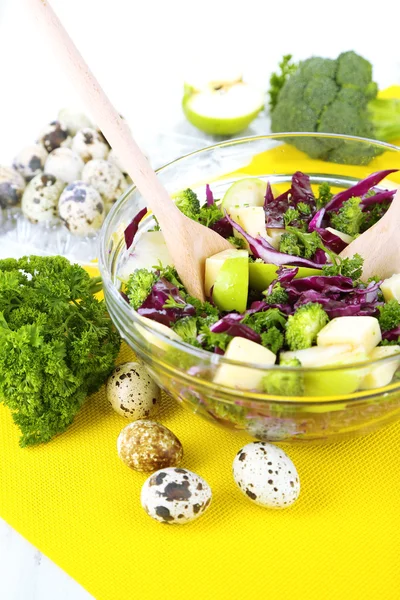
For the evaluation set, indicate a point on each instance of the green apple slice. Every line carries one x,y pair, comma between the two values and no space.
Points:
150,250
222,107
249,191
381,375
338,382
228,274
357,331
244,378
261,275
157,327
391,288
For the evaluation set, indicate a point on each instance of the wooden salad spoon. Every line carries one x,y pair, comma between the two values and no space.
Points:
380,245
188,242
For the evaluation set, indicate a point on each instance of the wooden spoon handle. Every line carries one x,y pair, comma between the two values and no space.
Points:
107,118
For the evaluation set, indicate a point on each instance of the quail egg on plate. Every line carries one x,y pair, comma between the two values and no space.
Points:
90,143
12,185
175,495
81,208
106,178
30,161
65,164
73,119
40,199
55,135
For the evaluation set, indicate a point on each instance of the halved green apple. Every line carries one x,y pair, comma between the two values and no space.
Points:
227,273
261,275
223,105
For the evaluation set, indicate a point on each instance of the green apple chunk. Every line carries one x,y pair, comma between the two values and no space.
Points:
152,338
381,375
251,218
245,192
331,383
357,331
150,250
391,288
244,378
261,275
228,274
222,108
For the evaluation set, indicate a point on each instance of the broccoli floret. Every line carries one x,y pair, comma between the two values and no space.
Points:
139,285
348,267
298,243
302,327
333,96
273,339
349,218
209,214
210,340
278,295
237,242
187,329
188,203
263,320
290,216
324,195
304,209
389,315
284,383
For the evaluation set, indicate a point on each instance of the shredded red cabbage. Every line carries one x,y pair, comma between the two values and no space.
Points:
223,227
230,324
330,240
209,195
133,226
392,335
260,248
153,306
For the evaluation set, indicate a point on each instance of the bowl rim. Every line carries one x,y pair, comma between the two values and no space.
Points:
219,360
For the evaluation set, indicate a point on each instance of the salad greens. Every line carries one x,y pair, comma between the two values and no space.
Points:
307,287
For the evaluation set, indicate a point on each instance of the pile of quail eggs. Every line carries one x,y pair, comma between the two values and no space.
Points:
69,177
175,495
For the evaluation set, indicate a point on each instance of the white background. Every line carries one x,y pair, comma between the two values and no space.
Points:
140,52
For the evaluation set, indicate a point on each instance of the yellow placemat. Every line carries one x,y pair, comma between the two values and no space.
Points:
76,502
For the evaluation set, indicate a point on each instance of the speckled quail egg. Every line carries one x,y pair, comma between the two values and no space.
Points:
148,446
106,178
175,496
81,208
54,136
12,185
74,119
266,475
65,164
90,143
132,393
115,160
40,199
30,161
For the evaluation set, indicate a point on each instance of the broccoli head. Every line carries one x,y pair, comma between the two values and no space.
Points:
284,382
349,218
297,243
139,286
188,203
187,329
333,96
273,339
303,327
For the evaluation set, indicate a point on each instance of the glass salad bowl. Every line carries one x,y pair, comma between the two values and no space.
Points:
330,406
